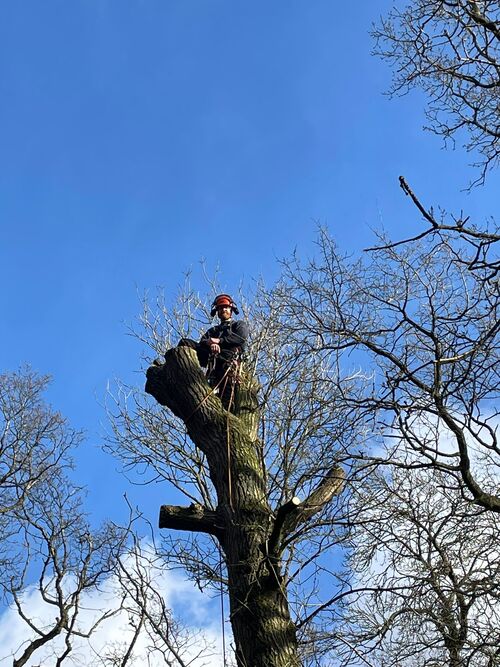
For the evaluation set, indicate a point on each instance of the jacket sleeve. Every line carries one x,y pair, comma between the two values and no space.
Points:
236,336
207,335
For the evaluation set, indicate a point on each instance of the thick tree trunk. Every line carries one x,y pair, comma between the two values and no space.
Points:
244,524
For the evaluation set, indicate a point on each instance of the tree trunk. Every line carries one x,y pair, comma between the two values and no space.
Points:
244,524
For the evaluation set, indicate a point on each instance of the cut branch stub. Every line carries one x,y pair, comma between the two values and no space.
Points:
194,518
294,512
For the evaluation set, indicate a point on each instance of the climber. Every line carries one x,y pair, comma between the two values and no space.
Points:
221,348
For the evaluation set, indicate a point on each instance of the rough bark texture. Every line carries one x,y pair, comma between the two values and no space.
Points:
264,633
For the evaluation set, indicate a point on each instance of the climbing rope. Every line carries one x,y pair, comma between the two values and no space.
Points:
222,609
228,440
213,391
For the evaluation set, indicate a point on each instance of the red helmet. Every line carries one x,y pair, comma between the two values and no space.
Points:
223,300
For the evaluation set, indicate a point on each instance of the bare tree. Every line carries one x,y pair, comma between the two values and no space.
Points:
422,315
261,481
34,440
426,572
47,544
450,49
60,556
55,563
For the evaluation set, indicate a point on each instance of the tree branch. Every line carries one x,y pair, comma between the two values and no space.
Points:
194,518
294,512
435,226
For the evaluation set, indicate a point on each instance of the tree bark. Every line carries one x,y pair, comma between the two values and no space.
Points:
263,631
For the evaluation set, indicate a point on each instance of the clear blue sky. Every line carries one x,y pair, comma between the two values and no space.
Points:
139,137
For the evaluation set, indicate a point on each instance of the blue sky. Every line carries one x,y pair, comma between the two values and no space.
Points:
137,138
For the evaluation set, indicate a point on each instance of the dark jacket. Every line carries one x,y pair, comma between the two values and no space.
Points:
233,335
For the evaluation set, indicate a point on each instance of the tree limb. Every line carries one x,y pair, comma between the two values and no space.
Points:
294,512
194,518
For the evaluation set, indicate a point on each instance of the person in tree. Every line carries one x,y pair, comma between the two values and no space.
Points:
221,348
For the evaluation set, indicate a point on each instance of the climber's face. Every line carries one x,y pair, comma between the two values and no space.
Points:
224,313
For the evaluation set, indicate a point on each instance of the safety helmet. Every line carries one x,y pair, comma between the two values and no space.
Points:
223,300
